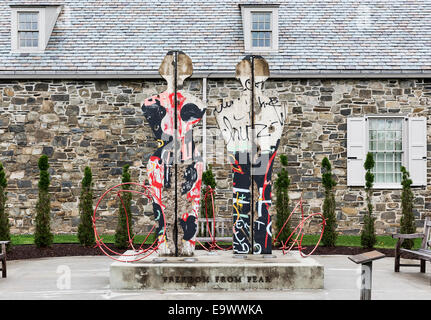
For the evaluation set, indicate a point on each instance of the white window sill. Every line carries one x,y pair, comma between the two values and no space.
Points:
28,51
387,186
260,51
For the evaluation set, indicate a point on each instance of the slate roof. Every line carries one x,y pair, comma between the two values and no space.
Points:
315,37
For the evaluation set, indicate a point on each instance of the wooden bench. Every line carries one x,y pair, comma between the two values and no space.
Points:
222,227
423,254
3,257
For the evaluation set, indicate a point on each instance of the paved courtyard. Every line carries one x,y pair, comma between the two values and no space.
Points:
88,278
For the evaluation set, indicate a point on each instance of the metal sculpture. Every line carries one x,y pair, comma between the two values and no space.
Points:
172,115
251,127
293,241
135,254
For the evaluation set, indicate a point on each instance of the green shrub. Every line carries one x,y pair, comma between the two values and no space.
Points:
281,186
208,180
368,234
85,229
122,233
43,236
408,224
329,234
4,217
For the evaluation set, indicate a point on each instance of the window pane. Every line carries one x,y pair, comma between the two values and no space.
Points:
261,21
398,177
398,146
28,39
385,136
261,39
398,124
28,21
380,178
398,135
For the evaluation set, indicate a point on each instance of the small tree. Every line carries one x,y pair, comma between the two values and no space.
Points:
208,181
408,224
124,214
329,234
368,236
85,229
43,236
4,217
282,203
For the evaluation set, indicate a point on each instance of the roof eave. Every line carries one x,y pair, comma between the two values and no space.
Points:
287,74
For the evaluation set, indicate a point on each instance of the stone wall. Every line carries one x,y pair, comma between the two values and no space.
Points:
316,128
100,124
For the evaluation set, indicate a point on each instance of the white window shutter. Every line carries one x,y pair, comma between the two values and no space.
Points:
356,148
417,150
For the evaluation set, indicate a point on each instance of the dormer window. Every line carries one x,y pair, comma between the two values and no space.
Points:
260,26
31,26
28,29
261,30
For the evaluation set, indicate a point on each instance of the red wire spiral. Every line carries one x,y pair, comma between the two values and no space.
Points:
143,253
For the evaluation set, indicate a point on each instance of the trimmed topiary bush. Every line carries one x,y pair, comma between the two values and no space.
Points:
368,234
4,217
329,234
124,214
281,186
85,229
43,236
408,224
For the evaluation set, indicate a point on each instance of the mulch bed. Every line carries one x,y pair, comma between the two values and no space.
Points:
72,249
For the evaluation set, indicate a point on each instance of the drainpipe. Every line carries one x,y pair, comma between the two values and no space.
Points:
204,123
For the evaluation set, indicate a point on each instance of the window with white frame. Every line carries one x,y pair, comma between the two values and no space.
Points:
260,27
386,145
31,26
28,29
394,141
261,32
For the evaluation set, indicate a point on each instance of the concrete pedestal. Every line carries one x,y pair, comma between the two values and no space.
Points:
220,270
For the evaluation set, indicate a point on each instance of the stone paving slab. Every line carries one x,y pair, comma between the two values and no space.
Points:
89,280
